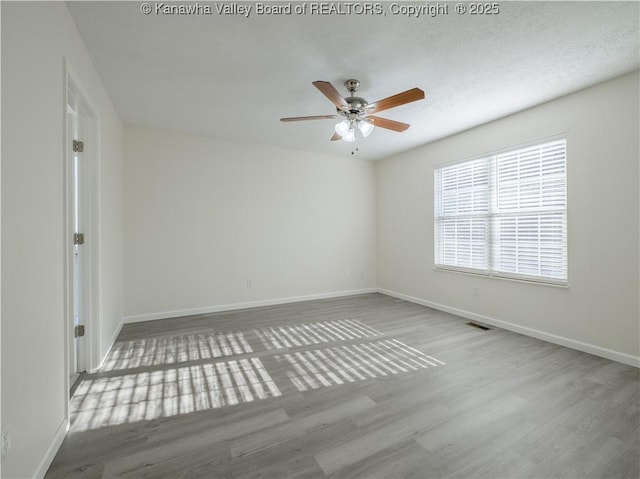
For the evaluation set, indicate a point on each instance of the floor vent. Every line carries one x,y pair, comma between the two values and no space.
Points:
479,326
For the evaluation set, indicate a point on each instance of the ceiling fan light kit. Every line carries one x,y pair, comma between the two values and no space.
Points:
347,129
356,111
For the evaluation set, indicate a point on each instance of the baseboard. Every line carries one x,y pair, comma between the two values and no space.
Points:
534,333
114,336
247,305
52,450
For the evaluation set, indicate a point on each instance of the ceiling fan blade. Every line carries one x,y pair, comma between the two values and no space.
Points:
303,118
336,137
388,124
396,100
331,93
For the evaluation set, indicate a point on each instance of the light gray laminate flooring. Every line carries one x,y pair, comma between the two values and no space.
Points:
361,387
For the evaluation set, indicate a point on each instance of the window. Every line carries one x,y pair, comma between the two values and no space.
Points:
505,214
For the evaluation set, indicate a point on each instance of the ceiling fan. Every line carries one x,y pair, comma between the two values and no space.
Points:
356,114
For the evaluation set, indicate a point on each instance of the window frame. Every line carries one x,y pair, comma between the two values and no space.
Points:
492,213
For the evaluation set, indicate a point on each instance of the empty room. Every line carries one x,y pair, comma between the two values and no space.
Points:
320,239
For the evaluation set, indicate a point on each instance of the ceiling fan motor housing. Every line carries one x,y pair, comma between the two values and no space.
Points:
356,106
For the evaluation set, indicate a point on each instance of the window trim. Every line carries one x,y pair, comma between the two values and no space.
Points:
520,278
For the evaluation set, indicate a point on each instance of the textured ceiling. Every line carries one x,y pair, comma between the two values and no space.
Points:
232,77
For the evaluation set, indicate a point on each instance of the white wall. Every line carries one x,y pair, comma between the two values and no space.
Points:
110,230
203,216
36,36
1,422
599,311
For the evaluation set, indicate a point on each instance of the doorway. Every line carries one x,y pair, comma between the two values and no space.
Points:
80,232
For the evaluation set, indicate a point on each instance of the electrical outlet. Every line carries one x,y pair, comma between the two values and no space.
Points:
6,440
249,283
476,290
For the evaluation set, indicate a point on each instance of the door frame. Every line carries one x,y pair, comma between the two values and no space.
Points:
87,361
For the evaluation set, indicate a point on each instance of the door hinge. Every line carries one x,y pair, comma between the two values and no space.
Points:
78,238
78,146
78,331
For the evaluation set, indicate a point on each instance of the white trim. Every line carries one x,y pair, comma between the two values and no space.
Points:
518,279
251,304
90,348
52,450
111,343
534,333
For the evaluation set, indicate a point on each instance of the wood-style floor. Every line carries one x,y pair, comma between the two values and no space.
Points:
361,387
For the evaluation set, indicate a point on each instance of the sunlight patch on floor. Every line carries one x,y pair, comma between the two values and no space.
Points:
169,392
298,335
341,364
160,377
175,349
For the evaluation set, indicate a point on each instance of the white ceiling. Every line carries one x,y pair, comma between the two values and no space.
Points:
233,77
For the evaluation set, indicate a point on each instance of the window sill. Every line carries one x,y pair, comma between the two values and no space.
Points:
534,282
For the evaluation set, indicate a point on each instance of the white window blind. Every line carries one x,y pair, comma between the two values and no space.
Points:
505,214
